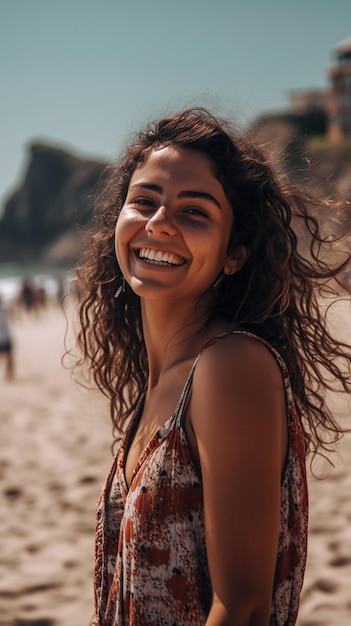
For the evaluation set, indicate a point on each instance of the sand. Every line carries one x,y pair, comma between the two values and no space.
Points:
55,452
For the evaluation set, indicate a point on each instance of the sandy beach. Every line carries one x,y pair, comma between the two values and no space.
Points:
55,452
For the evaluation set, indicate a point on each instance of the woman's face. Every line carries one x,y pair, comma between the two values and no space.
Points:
173,230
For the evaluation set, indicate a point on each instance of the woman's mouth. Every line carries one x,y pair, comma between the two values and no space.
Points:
156,257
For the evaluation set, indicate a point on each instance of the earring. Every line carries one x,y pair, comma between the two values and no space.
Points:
121,288
218,282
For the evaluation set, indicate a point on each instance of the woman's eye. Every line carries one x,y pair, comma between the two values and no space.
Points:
143,202
196,211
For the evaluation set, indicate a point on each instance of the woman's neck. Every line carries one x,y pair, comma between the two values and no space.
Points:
173,332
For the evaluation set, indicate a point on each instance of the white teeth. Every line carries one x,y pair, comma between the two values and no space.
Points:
156,256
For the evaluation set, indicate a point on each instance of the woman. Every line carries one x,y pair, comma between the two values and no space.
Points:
199,321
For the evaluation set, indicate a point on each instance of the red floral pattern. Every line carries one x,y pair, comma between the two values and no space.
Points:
151,565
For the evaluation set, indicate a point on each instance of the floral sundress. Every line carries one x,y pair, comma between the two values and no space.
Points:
151,565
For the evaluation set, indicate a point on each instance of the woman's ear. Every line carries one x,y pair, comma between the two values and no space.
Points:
236,260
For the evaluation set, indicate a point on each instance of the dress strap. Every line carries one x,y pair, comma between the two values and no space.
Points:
182,402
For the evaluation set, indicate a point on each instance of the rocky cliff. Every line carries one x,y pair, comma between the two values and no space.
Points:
309,159
44,215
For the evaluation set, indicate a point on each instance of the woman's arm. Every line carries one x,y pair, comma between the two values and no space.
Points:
238,415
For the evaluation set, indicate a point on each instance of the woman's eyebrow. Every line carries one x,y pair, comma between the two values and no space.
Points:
199,194
150,186
183,194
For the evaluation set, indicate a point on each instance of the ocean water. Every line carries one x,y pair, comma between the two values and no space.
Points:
52,280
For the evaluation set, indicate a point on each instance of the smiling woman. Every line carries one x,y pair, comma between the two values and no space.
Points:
200,321
175,206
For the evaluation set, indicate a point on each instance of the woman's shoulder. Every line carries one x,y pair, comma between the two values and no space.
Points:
239,352
238,378
239,400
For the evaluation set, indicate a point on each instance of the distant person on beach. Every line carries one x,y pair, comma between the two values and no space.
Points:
200,322
6,340
29,297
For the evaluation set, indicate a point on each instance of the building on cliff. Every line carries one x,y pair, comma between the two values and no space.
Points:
339,101
334,102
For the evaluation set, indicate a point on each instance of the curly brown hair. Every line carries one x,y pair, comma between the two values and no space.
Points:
275,295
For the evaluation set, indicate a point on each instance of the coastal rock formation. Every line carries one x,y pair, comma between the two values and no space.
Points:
54,200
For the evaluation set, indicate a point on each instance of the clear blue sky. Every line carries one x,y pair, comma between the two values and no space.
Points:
86,73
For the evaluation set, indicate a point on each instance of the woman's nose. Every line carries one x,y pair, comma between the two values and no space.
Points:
161,222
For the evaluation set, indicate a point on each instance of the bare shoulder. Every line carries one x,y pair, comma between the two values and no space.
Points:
238,390
240,360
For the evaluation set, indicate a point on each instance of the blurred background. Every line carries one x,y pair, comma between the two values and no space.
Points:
78,77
